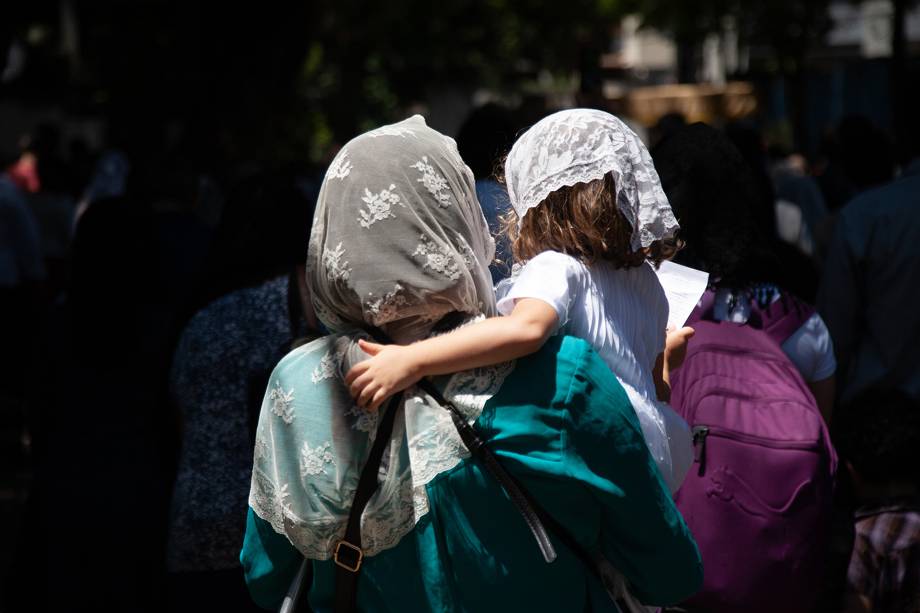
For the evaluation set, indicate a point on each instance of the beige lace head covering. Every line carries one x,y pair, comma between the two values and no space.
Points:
398,241
582,145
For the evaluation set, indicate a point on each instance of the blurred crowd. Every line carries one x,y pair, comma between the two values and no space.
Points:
146,299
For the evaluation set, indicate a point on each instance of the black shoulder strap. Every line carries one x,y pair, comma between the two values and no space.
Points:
536,517
348,554
481,452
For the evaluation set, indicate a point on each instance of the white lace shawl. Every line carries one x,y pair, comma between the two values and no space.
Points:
582,145
398,241
312,442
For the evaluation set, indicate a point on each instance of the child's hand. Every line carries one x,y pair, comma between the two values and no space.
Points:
675,346
390,369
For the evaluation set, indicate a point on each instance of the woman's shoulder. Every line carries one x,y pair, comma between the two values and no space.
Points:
560,358
564,372
561,405
314,362
588,370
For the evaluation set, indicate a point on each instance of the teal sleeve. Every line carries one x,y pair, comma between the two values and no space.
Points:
642,532
269,562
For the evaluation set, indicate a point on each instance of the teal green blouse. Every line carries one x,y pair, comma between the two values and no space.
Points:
561,423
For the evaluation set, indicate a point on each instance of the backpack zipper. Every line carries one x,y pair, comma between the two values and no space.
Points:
699,447
700,434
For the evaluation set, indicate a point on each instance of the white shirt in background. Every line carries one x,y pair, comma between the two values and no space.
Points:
809,348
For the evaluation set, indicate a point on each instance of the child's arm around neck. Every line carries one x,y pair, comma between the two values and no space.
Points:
393,368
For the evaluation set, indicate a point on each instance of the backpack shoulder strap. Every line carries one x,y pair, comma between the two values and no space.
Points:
783,317
779,320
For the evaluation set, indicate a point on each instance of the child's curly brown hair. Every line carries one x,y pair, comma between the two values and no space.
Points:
583,221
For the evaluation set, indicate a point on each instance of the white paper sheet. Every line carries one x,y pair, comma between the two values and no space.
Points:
683,287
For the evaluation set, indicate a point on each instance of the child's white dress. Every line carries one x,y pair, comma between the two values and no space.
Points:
623,314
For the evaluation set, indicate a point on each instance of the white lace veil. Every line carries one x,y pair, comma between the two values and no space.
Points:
398,241
582,145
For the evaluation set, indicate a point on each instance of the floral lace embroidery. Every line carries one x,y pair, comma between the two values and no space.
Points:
328,366
438,448
386,308
433,182
433,447
335,267
384,526
379,206
317,539
365,421
281,403
269,502
439,259
261,448
469,390
466,252
341,166
313,461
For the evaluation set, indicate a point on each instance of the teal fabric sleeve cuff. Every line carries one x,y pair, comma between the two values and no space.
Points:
269,562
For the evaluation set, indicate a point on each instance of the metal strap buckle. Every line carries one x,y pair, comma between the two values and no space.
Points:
344,564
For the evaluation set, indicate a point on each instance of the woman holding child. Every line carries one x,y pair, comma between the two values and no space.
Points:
562,391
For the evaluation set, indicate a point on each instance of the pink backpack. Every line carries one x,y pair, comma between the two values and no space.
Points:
758,498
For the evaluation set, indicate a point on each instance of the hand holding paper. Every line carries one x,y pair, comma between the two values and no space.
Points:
683,287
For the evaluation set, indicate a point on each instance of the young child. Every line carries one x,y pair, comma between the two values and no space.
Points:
592,220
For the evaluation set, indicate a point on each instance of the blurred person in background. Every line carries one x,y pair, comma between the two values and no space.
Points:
109,179
749,316
21,261
877,435
253,305
868,294
55,210
794,269
801,214
667,124
96,502
856,155
483,140
715,196
81,161
173,183
23,171
22,286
